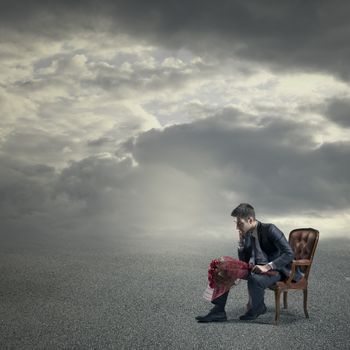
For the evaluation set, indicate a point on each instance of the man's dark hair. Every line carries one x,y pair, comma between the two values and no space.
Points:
244,211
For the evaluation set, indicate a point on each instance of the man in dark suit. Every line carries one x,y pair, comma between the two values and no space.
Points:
264,246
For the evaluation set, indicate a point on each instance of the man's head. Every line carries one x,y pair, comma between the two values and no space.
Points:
244,216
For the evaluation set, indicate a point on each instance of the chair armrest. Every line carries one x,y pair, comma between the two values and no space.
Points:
301,262
295,263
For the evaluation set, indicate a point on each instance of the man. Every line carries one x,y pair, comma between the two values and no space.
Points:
264,246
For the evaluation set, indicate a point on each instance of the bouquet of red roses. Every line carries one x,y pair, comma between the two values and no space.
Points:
226,270
223,273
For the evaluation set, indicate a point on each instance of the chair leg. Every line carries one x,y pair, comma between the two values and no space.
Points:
305,303
277,305
285,303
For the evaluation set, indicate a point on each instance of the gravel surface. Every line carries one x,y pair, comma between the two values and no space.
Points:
89,293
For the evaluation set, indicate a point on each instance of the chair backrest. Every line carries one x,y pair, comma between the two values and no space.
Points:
304,242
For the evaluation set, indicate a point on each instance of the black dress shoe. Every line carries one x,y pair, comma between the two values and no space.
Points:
248,316
213,316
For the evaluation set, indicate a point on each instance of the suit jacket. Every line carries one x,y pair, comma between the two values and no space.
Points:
275,245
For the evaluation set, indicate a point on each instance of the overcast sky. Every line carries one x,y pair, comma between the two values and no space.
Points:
159,117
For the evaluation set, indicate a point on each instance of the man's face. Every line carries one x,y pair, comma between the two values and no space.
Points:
244,225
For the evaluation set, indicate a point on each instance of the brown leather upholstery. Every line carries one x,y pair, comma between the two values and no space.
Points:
303,242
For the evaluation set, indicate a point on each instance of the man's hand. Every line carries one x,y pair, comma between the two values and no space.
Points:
240,240
261,268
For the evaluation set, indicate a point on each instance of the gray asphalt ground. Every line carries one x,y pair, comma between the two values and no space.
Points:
93,293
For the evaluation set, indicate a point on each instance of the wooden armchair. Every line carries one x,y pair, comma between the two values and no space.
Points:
303,242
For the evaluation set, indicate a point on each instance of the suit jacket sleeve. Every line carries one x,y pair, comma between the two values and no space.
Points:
277,238
245,253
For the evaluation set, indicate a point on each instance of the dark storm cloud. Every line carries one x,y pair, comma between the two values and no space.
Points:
289,35
187,176
277,163
45,18
338,111
23,188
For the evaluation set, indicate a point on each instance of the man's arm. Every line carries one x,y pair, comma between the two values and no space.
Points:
277,238
243,247
240,250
